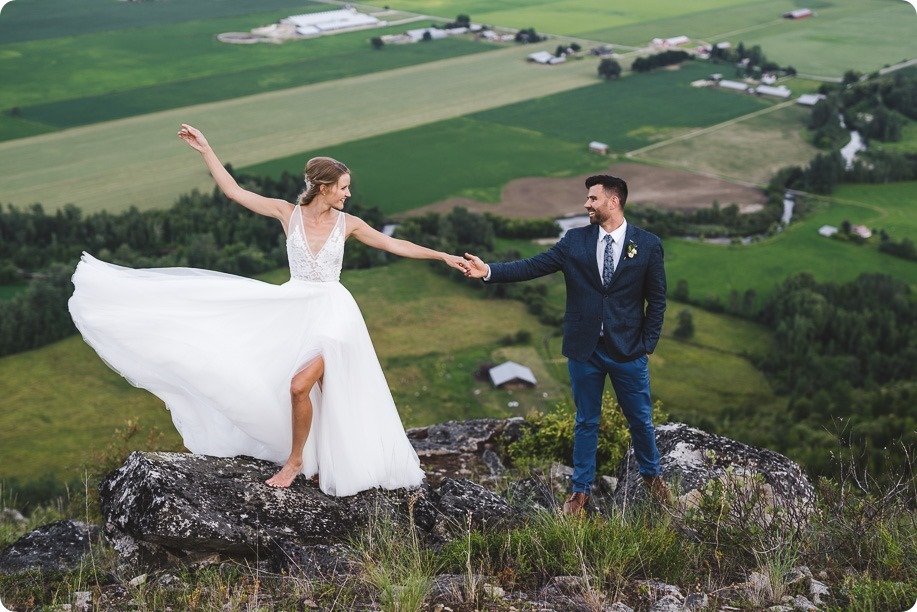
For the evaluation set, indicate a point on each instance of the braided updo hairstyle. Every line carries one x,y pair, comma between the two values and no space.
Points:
320,171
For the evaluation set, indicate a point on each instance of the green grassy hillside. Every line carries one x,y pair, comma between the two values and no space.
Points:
59,403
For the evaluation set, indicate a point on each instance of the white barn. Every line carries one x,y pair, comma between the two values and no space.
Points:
675,41
314,24
735,85
778,92
546,57
418,34
810,99
512,374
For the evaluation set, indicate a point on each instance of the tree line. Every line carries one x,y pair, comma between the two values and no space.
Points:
201,230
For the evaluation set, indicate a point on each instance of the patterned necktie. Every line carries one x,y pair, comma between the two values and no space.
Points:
609,267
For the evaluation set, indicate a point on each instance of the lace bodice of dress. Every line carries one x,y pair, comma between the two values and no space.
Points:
324,266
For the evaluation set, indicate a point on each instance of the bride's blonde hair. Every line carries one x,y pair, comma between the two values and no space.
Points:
320,171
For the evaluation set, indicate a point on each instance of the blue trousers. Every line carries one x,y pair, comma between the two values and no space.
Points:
631,382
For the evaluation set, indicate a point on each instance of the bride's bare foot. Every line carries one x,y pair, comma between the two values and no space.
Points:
285,477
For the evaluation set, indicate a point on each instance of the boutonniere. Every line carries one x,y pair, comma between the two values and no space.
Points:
631,249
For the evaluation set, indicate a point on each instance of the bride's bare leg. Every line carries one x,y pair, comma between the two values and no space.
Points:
300,387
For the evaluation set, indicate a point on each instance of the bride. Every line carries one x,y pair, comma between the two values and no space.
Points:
235,359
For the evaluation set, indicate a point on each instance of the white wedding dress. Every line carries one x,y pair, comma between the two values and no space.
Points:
221,350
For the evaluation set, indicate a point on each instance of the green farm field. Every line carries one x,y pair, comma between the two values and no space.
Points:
325,59
460,157
139,161
67,67
40,19
60,402
630,113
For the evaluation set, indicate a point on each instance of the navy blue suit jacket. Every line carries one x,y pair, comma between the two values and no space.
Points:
631,308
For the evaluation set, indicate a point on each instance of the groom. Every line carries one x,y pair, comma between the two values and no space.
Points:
615,304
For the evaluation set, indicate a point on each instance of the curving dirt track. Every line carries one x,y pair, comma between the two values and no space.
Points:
661,187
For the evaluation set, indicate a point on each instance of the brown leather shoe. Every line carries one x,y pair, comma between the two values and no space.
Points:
576,504
659,490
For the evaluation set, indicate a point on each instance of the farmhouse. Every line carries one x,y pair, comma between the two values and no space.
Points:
546,58
315,24
862,231
600,148
798,14
510,375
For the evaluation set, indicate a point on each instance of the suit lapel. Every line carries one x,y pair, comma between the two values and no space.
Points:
590,248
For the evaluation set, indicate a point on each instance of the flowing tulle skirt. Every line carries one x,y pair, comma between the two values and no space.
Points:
221,350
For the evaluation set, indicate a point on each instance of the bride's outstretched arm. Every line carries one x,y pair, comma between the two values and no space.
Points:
368,235
269,207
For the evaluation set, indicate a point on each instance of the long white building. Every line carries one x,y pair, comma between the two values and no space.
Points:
313,24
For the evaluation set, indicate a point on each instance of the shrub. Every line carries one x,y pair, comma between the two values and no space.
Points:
549,436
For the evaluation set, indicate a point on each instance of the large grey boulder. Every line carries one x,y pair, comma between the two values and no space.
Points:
58,546
693,460
162,508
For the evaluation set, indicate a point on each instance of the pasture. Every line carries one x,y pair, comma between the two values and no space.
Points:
140,162
41,19
859,34
715,270
628,113
749,150
61,402
863,35
565,17
322,63
895,204
456,158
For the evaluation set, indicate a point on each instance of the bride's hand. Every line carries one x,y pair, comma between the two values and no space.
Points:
455,261
193,137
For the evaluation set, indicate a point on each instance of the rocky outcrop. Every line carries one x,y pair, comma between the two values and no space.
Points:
58,546
166,509
693,460
466,449
162,508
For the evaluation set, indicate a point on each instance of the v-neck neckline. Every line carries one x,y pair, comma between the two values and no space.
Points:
305,236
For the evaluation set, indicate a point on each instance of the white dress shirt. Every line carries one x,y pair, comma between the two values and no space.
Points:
617,237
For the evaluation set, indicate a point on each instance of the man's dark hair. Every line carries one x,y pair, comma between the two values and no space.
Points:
611,184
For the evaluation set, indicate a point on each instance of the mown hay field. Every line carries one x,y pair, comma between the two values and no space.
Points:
750,150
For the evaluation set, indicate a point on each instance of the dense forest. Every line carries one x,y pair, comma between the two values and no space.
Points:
846,357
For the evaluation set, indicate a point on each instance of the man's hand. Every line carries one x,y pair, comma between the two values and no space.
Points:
475,268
